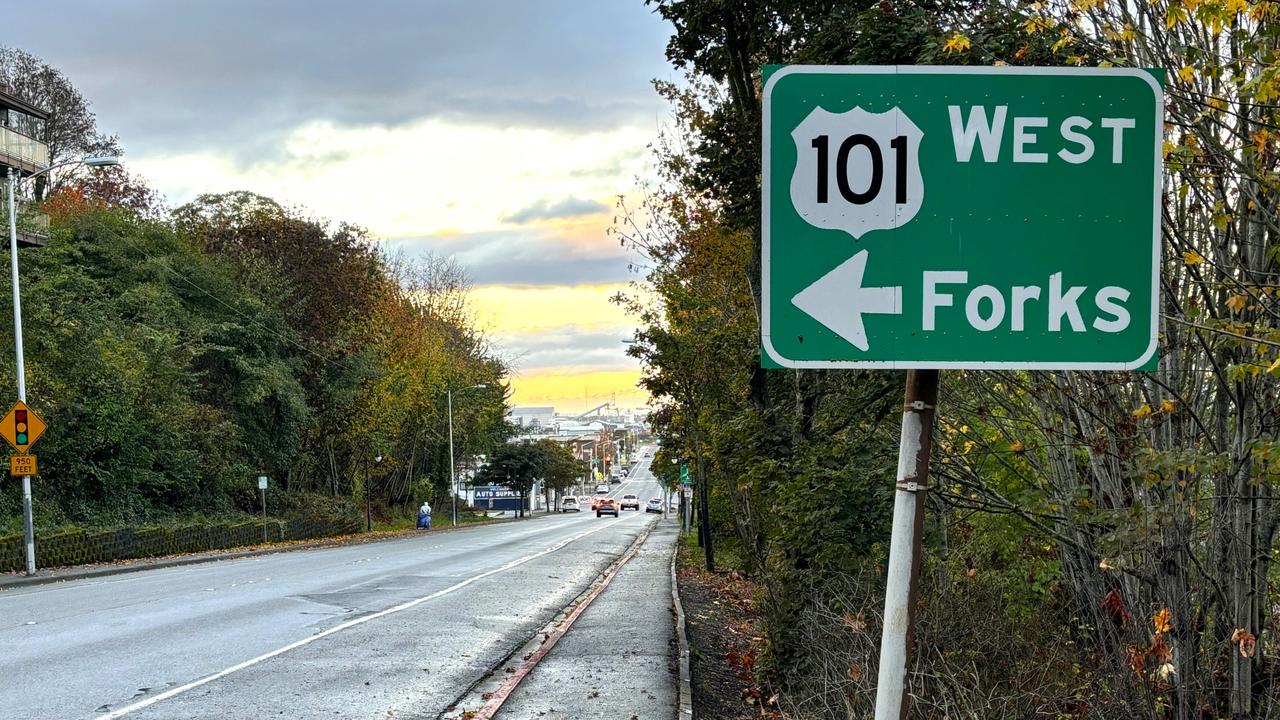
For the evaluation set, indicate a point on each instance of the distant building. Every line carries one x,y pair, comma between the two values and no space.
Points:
22,154
533,418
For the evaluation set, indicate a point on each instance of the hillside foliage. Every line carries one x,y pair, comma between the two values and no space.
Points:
1099,544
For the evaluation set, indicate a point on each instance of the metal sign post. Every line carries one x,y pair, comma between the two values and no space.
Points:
904,545
928,218
262,489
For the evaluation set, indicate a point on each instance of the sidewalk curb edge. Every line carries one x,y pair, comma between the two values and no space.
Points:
686,687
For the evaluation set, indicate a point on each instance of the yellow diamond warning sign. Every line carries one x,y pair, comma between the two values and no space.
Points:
21,427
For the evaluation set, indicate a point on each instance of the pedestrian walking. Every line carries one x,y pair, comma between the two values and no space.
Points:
424,516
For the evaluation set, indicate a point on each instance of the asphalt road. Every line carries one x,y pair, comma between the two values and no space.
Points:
394,629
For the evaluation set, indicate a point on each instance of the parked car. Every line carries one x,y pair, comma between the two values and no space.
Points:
607,506
631,501
602,488
654,505
570,504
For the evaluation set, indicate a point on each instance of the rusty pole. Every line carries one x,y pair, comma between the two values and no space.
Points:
904,545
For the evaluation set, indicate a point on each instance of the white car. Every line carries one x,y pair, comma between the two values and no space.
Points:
570,504
630,501
654,505
602,488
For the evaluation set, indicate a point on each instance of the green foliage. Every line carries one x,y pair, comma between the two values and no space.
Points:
175,362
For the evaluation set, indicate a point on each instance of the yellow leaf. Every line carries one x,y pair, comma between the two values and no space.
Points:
1177,14
1236,302
1143,411
1075,60
1167,406
1260,140
1187,73
1017,446
1191,257
1274,366
1163,620
956,43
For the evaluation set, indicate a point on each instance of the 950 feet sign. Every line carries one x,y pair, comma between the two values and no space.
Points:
941,217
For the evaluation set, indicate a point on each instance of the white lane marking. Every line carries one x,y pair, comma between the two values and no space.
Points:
343,626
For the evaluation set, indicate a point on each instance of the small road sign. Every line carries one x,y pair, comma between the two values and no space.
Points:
961,217
21,427
262,482
684,475
20,465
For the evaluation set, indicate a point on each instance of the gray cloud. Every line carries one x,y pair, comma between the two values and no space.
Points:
569,346
523,258
566,208
235,75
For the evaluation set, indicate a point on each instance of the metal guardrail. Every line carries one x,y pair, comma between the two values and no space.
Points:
25,149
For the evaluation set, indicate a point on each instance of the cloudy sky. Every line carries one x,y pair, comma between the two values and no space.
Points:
499,132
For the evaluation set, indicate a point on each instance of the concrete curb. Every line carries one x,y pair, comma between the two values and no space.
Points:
682,639
68,573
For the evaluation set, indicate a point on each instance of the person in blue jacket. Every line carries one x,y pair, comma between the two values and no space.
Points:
424,516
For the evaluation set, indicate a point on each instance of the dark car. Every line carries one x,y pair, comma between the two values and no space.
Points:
607,506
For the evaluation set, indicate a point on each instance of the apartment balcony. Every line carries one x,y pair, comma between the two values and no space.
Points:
23,153
33,224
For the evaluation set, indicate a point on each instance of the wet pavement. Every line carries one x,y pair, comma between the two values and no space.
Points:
401,628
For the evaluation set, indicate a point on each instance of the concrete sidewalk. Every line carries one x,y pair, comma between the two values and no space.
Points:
619,660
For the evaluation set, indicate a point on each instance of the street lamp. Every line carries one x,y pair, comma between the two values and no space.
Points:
453,475
11,189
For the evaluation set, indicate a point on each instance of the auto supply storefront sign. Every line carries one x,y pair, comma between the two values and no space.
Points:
495,497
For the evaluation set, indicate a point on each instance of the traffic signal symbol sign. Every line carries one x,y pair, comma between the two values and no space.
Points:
21,427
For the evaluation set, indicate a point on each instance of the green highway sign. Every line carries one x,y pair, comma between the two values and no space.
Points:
961,217
684,475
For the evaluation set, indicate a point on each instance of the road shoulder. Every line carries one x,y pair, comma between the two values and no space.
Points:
619,659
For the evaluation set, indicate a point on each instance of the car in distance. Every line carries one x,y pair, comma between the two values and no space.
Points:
630,501
654,505
602,488
607,506
570,504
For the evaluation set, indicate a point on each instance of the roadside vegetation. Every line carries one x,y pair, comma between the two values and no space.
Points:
177,354
1099,545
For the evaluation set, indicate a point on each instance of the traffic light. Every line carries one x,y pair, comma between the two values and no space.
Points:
20,426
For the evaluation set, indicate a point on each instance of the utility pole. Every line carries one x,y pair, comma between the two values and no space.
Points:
904,545
453,475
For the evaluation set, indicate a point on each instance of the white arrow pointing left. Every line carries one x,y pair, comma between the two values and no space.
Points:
838,300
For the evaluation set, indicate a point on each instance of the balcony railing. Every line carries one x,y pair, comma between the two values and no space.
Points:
28,152
33,224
